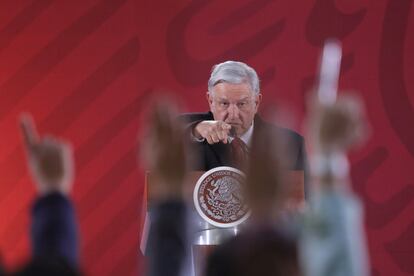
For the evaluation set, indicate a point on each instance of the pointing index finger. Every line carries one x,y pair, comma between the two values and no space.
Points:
29,132
225,126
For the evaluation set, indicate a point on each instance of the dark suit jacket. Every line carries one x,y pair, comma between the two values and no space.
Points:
54,236
211,156
54,228
167,241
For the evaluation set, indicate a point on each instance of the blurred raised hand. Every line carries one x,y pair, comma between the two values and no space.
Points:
337,127
50,159
333,225
164,153
265,191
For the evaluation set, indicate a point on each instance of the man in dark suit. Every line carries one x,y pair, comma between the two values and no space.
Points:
234,98
219,154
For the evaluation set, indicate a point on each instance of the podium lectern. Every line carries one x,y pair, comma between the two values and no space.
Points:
204,235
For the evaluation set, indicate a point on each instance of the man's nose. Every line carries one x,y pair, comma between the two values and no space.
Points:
233,111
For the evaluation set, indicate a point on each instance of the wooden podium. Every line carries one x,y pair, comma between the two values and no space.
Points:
200,252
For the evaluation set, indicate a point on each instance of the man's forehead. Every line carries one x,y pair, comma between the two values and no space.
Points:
226,98
233,90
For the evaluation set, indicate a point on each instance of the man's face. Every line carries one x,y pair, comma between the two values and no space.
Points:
235,104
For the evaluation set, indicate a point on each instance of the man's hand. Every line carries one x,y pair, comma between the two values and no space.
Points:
212,131
50,160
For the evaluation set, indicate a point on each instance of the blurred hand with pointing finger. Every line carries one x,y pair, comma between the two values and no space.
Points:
50,160
333,224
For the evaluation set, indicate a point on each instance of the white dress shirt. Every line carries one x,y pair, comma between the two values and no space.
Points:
246,137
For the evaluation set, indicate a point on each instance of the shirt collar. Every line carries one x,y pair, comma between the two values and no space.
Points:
247,136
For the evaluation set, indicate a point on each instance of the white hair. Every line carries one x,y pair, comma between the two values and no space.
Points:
234,72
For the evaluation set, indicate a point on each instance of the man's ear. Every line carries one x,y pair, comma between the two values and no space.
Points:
209,98
258,100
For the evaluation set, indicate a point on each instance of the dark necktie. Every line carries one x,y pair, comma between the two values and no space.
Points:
239,153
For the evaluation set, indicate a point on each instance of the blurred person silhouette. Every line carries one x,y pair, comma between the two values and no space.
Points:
54,230
164,154
268,243
333,240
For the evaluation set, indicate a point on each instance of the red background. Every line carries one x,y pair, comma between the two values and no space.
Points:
85,69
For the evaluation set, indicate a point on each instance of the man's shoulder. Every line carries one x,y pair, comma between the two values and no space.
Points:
193,117
289,142
293,135
282,131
